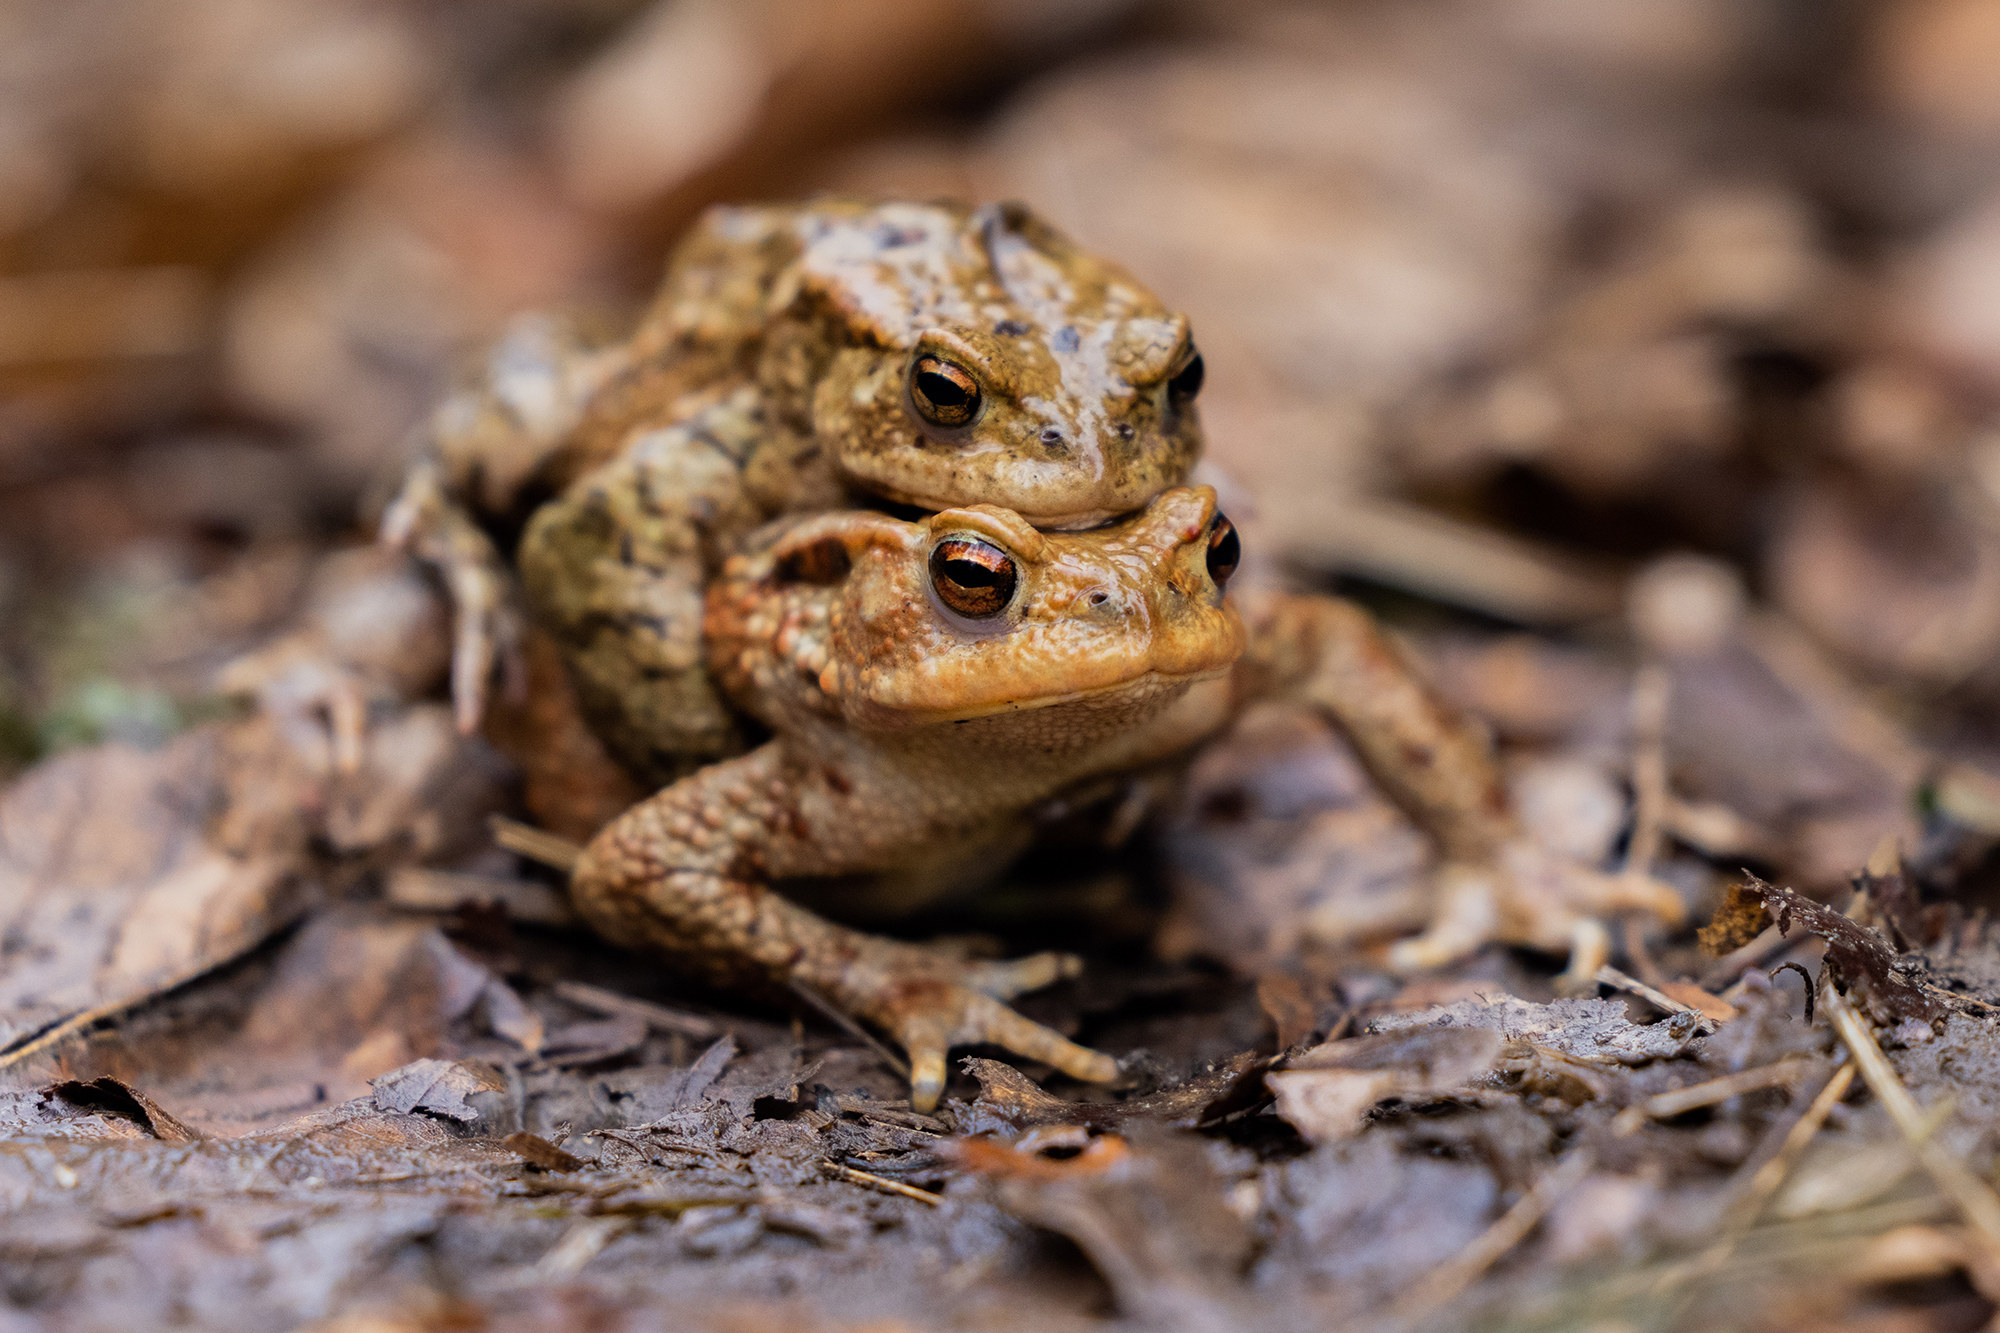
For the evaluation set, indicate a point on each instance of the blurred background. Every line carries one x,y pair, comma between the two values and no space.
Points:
1510,308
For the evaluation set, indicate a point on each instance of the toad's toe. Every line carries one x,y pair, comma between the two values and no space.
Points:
1018,976
957,1016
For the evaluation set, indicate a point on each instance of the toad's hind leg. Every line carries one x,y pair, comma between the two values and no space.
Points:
688,873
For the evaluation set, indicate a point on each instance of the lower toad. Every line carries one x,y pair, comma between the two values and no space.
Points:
929,685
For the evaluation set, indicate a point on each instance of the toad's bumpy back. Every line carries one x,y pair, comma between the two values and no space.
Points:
794,359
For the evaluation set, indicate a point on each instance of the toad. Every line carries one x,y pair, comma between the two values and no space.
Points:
928,684
794,359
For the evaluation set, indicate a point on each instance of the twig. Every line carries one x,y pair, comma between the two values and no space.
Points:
851,1028
584,1241
535,844
1510,1230
1612,977
1651,689
1666,1105
602,1001
1756,953
415,888
1974,1198
1763,1183
882,1183
1428,553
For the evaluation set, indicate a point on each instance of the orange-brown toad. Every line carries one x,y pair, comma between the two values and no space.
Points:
929,684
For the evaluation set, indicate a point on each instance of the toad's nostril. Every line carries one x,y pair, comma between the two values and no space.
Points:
1125,431
1052,436
1100,597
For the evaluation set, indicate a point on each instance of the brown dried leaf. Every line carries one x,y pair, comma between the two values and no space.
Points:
110,1096
437,1086
1741,918
1859,959
109,890
1149,1213
540,1152
1327,1091
1284,1002
1009,1100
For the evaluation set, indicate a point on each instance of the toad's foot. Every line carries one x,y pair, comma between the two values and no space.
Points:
487,626
1530,896
930,1002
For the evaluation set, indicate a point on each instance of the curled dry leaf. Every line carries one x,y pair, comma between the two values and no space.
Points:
1009,1100
437,1086
113,1097
1327,1091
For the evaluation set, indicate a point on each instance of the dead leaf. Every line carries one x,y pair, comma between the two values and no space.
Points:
1859,959
1326,1092
1740,919
1284,1002
591,1042
1595,1031
110,891
437,1086
1149,1213
1009,1100
540,1152
109,1096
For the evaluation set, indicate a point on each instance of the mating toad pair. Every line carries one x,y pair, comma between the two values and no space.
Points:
871,540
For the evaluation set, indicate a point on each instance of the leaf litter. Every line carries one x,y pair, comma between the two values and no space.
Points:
1502,340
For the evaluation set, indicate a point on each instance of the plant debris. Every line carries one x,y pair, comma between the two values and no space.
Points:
1636,361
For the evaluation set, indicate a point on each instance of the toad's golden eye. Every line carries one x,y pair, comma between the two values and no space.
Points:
943,392
1225,551
972,577
1185,382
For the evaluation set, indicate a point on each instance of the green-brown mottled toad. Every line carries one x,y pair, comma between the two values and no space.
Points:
794,358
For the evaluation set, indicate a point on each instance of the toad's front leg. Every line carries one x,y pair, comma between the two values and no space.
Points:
1494,883
688,873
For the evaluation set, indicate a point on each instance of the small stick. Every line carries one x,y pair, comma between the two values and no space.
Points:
584,1241
1651,689
1762,1185
1765,1181
535,844
851,1028
1680,1101
1974,1198
1510,1230
882,1183
1612,977
602,1001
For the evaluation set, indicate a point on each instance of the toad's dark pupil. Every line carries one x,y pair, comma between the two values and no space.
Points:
945,394
1186,382
972,577
1225,550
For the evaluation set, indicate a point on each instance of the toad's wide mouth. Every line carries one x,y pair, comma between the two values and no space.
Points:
1137,687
